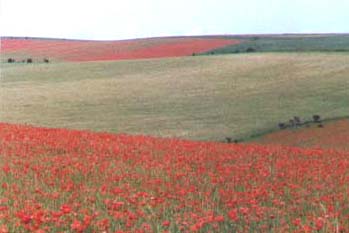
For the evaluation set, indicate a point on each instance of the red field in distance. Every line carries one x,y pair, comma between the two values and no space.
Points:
73,50
333,135
77,181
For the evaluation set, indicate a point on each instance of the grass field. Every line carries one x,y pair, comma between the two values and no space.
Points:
287,43
201,98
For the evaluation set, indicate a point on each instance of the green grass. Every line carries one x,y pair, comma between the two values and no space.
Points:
305,43
201,98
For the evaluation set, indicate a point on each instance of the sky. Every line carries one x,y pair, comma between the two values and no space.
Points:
116,19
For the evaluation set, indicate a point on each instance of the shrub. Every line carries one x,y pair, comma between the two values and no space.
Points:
316,118
250,50
29,60
11,60
282,125
46,60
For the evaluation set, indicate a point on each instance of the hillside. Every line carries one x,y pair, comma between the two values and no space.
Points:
286,43
201,97
75,50
331,135
62,180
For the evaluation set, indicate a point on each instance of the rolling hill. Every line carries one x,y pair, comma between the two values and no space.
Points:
78,181
201,97
75,50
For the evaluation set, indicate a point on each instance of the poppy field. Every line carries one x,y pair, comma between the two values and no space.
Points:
331,135
59,180
78,51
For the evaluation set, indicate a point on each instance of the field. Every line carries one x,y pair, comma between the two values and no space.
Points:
200,98
74,50
331,135
100,139
286,43
58,180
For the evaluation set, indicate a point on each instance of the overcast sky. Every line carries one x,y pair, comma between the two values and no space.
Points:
116,19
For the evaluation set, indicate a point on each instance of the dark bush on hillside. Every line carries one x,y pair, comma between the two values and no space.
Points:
29,60
11,60
250,50
46,60
316,118
282,126
228,139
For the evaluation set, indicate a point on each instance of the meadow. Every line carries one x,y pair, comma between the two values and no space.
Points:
199,98
59,180
91,142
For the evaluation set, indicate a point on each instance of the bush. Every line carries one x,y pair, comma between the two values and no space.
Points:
29,60
282,126
250,50
316,118
46,60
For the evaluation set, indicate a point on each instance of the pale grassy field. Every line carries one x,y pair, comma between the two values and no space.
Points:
201,98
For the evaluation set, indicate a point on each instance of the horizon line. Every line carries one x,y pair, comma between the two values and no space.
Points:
177,36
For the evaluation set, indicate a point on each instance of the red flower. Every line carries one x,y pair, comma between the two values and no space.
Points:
66,209
233,215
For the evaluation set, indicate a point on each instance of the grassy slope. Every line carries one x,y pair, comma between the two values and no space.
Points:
286,43
194,97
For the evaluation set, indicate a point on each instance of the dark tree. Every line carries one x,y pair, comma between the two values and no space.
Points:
282,126
29,60
11,60
46,60
228,139
250,50
316,118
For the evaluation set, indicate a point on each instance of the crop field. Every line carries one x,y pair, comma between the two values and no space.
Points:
74,50
59,180
286,43
331,135
101,140
201,97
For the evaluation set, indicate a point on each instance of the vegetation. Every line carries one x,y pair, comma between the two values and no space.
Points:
305,43
58,180
205,97
329,134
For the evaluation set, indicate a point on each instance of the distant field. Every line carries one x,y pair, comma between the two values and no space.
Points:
205,97
331,135
75,50
286,43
